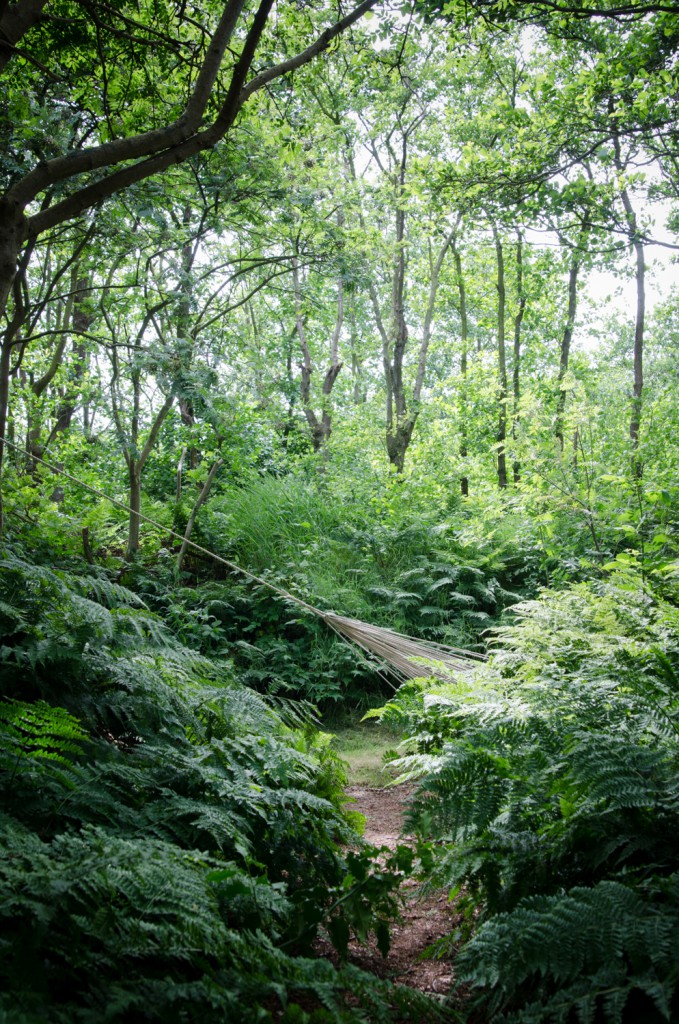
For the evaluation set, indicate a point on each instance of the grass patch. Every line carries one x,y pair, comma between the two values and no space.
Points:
363,747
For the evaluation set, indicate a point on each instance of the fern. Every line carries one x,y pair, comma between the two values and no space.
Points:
37,732
588,950
550,782
169,842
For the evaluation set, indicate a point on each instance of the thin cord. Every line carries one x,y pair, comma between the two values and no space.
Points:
327,617
205,551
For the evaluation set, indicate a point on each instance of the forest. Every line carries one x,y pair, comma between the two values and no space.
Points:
323,322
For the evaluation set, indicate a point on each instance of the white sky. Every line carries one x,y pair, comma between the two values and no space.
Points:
613,292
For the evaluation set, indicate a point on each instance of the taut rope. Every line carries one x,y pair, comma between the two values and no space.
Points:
409,657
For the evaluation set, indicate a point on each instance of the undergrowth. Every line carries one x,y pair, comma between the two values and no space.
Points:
171,841
402,570
549,781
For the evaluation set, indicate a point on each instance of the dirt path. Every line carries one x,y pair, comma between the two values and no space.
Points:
424,920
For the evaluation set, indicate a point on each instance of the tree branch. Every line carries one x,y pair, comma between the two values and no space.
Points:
164,147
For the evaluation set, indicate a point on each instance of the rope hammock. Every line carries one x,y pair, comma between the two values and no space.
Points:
405,657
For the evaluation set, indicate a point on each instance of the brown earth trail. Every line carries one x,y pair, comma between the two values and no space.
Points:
424,920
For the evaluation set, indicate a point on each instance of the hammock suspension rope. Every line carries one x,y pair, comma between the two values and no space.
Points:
404,656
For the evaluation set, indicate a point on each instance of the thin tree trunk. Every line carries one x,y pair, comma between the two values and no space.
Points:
291,391
516,364
81,321
63,325
640,316
134,483
359,392
180,468
12,273
5,364
202,498
87,546
184,339
567,336
335,364
396,429
464,337
502,364
136,468
635,419
399,425
320,428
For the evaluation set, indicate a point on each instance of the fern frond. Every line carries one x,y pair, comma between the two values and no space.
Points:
38,732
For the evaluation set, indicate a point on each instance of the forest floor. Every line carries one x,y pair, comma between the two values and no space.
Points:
423,919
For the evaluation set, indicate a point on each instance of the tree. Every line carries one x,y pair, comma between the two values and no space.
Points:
407,252
55,189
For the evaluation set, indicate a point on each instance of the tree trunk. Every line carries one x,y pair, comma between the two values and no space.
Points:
398,442
566,338
464,337
180,470
134,477
516,364
11,232
399,425
320,428
135,466
359,389
185,345
11,223
502,364
640,316
635,419
5,364
81,322
202,498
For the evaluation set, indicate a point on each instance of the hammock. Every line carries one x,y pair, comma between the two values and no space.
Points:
405,657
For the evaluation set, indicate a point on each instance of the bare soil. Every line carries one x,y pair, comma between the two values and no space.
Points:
423,920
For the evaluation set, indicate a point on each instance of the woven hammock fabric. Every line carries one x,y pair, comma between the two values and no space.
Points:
407,657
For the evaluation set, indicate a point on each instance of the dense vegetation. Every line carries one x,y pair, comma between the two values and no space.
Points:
374,304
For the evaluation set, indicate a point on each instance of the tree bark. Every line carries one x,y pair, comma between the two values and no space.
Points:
399,424
136,466
567,336
516,363
635,419
464,338
501,363
202,498
5,366
402,413
320,428
640,316
359,389
180,469
184,339
81,321
134,483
